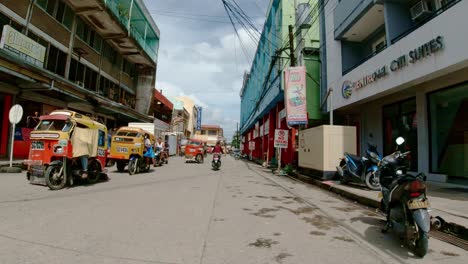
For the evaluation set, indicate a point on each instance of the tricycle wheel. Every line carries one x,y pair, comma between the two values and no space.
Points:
55,177
133,166
120,166
94,171
199,158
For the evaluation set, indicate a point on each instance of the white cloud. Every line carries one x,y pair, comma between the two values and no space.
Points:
204,61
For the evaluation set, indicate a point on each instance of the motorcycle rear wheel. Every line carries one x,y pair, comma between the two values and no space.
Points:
421,246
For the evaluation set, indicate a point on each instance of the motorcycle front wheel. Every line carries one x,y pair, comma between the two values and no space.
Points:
55,178
133,166
421,246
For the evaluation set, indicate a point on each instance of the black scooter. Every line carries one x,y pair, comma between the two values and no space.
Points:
216,163
405,201
357,169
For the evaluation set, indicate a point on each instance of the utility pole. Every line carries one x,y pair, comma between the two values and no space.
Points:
237,132
291,46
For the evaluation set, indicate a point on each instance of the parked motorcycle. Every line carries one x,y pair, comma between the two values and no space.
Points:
357,169
216,163
405,201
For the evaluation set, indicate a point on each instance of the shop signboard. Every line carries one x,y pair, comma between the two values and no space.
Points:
262,132
266,127
22,46
252,145
281,138
295,96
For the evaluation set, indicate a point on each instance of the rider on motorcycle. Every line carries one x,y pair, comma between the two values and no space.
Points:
217,149
161,147
149,153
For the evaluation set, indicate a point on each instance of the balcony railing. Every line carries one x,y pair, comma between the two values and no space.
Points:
446,5
130,16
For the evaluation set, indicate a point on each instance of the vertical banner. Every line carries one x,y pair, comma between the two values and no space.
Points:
199,116
295,96
266,127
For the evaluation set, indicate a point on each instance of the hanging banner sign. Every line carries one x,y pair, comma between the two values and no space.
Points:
266,127
199,116
281,138
295,96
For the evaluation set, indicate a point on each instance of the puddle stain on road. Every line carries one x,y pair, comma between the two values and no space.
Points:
450,254
345,209
320,222
263,243
298,211
317,233
342,238
281,257
264,212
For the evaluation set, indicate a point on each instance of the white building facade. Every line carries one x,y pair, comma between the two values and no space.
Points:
400,68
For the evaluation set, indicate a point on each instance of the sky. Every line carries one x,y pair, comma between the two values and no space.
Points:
200,55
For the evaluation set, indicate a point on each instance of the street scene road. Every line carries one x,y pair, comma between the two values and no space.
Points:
188,213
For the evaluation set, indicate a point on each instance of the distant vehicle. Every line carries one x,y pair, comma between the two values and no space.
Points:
194,151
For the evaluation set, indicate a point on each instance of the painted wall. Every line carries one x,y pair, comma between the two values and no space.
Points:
281,13
451,58
189,105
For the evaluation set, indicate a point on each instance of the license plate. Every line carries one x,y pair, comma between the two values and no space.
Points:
418,204
192,150
120,149
37,145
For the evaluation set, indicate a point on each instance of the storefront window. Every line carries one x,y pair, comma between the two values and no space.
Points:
448,110
400,121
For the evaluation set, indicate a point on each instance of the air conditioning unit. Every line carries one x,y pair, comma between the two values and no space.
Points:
419,10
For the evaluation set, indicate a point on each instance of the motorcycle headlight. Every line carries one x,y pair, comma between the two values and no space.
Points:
399,172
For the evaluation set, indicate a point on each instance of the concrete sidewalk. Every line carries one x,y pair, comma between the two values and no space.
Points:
7,162
448,201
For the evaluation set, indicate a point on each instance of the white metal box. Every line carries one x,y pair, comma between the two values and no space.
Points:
320,148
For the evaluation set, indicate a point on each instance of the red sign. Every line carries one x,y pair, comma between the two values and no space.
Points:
281,138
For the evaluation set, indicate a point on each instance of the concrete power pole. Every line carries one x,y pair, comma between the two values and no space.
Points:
291,46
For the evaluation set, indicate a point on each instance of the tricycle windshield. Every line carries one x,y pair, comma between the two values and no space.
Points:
54,125
128,134
195,143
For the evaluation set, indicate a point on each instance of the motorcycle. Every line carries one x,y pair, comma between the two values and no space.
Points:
139,164
158,159
216,163
404,200
357,169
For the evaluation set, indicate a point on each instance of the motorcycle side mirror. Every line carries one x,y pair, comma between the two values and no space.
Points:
400,141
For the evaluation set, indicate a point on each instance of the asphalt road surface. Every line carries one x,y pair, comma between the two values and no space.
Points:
187,213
